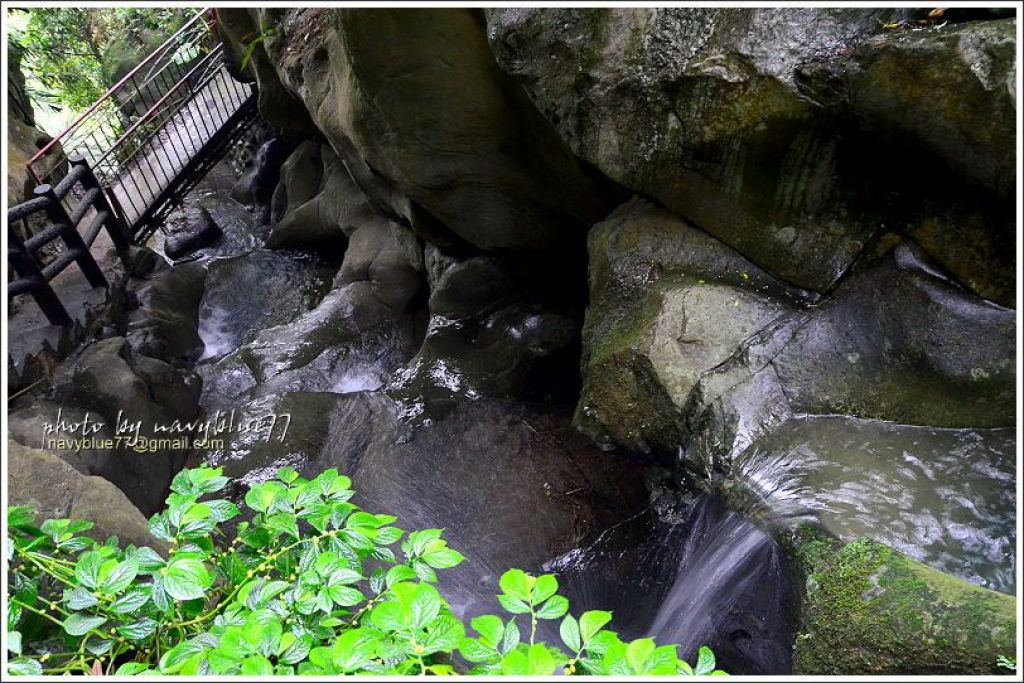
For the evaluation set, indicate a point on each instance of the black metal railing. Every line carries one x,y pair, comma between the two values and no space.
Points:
144,132
126,161
76,228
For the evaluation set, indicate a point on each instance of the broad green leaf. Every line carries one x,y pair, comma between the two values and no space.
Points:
515,663
287,474
388,616
473,650
140,630
186,578
146,559
129,602
24,667
516,583
222,510
345,596
398,573
261,497
19,516
79,598
80,624
544,587
539,661
705,661
593,621
257,665
570,633
443,635
131,669
510,638
553,608
490,629
119,576
513,605
425,605
87,569
444,558
14,642
637,653
297,651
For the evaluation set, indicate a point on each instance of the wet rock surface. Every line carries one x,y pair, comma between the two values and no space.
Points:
944,497
165,321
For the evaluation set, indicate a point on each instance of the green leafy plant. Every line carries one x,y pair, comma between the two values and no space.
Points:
251,42
1005,662
310,584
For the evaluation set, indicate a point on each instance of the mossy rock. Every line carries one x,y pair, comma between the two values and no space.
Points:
869,609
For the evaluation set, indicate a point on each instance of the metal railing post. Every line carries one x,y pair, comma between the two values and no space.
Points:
69,234
25,266
116,227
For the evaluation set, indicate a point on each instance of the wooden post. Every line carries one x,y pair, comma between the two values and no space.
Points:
25,266
69,233
115,226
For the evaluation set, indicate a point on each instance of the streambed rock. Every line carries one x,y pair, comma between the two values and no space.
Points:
500,326
944,497
165,322
251,292
870,610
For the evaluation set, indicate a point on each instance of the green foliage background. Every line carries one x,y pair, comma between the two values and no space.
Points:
76,54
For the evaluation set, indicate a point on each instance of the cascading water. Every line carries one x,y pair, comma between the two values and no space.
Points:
710,577
730,581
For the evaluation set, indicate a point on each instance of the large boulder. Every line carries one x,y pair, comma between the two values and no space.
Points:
165,322
55,490
124,388
867,609
688,345
860,125
413,101
668,304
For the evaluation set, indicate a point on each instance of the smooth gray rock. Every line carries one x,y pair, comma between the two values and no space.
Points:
165,322
794,135
55,490
413,102
111,381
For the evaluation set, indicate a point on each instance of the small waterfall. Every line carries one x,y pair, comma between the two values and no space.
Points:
728,590
711,578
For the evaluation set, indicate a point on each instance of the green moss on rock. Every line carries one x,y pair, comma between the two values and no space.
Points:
868,609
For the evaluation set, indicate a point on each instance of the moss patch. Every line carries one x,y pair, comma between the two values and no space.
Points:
871,610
